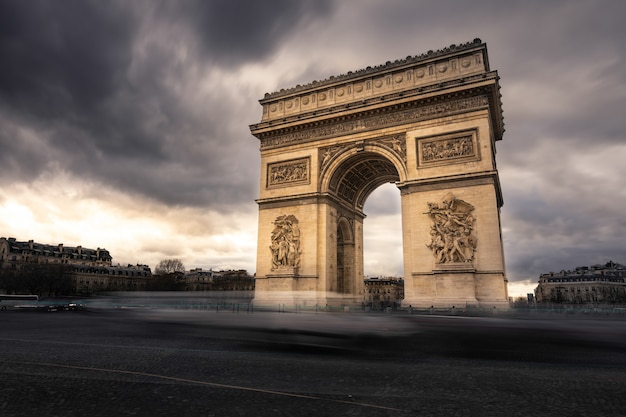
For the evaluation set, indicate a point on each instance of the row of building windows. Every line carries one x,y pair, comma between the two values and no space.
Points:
593,289
595,279
598,284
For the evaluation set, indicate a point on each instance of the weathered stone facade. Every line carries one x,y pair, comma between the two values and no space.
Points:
429,124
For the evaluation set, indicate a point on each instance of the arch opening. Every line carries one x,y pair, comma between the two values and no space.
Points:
359,175
382,233
352,181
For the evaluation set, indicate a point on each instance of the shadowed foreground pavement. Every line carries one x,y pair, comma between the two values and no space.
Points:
166,363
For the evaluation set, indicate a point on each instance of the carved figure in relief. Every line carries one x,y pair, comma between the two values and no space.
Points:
451,235
285,246
326,157
396,144
437,246
326,154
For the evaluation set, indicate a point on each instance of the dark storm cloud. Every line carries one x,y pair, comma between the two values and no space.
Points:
231,32
57,55
63,65
107,92
564,104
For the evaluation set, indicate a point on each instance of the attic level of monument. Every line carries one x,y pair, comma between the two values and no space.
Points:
442,72
421,64
443,83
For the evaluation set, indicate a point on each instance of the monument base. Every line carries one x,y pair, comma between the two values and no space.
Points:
291,291
456,286
305,301
297,292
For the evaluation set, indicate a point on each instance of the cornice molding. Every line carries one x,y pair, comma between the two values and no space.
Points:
454,181
398,114
422,92
309,198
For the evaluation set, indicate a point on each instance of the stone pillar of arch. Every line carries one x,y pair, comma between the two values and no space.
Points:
428,124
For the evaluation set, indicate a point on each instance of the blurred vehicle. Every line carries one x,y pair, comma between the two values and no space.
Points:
32,302
15,301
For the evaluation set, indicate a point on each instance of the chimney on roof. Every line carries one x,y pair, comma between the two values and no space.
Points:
79,249
60,247
30,244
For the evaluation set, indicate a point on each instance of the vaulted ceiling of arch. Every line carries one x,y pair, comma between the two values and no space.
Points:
358,176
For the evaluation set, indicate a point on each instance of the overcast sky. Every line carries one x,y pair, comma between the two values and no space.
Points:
124,124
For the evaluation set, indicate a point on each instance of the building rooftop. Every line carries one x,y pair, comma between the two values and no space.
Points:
43,249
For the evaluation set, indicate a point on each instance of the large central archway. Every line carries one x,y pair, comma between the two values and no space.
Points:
427,124
349,178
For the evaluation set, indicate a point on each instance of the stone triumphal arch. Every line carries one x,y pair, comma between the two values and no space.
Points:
427,123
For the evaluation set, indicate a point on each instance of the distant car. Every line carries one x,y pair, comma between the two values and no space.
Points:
52,306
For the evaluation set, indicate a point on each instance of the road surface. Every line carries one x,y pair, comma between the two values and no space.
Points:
173,363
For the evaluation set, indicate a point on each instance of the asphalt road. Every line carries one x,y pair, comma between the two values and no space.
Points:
155,363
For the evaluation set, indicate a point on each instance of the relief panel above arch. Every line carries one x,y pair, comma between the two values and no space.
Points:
288,173
455,147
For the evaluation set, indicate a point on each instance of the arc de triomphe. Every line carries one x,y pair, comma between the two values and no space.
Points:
427,123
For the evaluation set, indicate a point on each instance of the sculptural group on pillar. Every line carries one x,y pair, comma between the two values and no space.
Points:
452,238
285,245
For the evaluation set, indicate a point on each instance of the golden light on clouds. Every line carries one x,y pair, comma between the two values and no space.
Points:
135,230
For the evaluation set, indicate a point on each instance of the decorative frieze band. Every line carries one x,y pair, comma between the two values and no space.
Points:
377,121
286,173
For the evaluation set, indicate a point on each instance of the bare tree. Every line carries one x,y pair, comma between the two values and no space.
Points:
170,266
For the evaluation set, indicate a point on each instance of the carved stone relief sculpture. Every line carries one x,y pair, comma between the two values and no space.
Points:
288,173
285,247
448,149
452,238
327,153
397,143
456,147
